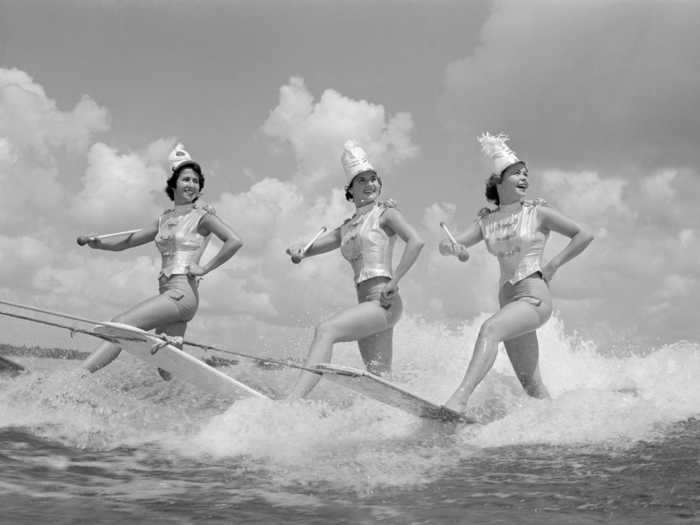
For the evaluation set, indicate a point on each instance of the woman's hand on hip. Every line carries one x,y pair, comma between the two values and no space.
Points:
548,271
389,293
195,270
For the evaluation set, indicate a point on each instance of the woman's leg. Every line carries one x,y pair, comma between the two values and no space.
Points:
377,351
524,355
151,313
358,322
513,320
177,329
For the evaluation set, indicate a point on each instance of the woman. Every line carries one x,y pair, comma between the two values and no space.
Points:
516,233
181,235
366,240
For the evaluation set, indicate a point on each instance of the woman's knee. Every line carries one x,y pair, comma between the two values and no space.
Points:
123,317
491,329
326,330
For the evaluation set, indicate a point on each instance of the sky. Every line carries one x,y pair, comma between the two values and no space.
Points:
601,99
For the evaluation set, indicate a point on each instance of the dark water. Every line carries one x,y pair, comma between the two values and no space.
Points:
618,443
648,483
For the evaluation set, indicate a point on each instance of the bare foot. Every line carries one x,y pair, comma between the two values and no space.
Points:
457,402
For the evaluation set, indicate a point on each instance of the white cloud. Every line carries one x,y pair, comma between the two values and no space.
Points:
34,136
659,187
583,82
33,122
686,237
317,131
586,196
119,191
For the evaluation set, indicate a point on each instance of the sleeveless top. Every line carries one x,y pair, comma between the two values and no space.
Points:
515,239
366,246
178,241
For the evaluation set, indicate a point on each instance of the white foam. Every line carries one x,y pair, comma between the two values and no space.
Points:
340,438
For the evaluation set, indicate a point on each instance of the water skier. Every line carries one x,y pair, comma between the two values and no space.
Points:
516,232
366,240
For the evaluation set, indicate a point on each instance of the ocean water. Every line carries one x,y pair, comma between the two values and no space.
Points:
619,442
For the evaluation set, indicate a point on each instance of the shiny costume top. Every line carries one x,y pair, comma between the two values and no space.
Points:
178,240
365,244
515,239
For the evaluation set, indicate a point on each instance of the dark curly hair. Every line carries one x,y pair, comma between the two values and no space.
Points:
172,181
491,190
348,195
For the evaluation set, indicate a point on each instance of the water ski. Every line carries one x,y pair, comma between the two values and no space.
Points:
181,365
388,393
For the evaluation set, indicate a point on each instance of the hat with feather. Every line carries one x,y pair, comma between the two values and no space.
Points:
495,147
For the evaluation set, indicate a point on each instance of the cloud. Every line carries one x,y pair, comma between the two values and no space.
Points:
119,190
317,131
586,195
35,136
34,123
614,88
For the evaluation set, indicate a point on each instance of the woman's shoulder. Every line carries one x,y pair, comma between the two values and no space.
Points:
204,208
484,213
534,203
384,206
199,210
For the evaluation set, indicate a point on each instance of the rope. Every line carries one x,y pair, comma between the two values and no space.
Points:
49,312
72,329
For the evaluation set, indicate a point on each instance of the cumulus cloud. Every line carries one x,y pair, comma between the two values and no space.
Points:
119,190
317,130
614,87
33,122
585,195
35,136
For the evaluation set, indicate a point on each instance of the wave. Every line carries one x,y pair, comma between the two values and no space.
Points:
339,437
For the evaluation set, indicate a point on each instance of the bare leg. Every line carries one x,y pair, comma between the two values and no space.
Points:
173,330
151,313
511,321
377,351
358,322
524,353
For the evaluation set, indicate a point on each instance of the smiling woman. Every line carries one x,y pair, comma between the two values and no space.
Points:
181,235
516,233
366,240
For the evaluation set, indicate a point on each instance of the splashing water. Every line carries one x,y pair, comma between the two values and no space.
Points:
125,423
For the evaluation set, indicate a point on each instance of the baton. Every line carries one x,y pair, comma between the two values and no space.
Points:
84,239
449,235
312,241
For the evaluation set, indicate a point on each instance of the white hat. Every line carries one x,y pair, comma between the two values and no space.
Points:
178,156
495,147
354,160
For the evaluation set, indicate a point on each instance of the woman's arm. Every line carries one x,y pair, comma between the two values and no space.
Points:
210,223
464,240
326,243
131,240
393,220
552,220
